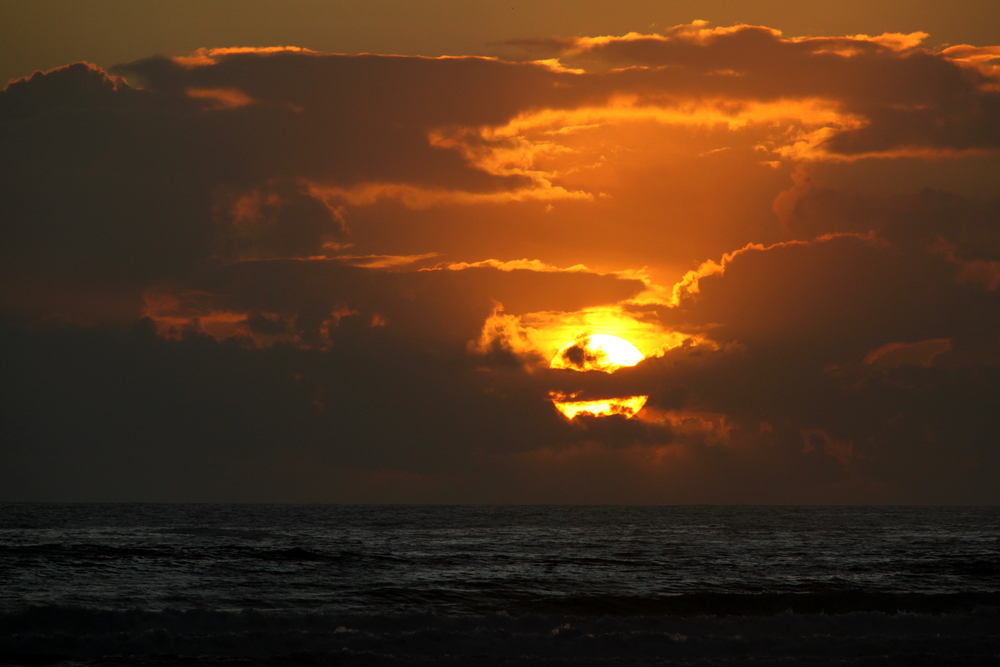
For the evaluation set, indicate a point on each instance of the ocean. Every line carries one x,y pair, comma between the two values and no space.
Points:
158,584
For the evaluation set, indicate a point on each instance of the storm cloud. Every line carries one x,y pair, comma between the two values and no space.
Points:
279,274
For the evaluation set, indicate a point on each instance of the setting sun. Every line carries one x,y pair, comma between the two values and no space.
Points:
597,352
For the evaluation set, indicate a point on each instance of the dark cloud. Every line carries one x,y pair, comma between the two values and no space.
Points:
349,119
104,414
905,96
854,359
970,226
108,184
799,330
277,219
219,155
437,305
267,325
847,293
96,188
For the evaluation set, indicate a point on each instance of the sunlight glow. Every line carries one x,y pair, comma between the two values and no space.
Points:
627,406
597,352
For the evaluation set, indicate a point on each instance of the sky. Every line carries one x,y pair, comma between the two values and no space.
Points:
356,252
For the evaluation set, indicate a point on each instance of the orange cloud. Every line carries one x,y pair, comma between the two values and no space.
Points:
383,261
516,147
982,58
697,33
207,57
224,98
510,265
419,198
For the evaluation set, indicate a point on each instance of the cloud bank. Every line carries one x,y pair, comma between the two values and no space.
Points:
278,274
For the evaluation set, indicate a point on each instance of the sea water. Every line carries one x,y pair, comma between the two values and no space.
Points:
151,584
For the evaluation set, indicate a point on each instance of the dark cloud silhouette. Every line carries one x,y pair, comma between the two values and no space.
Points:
109,184
905,96
106,414
185,315
799,331
348,119
968,226
220,155
437,305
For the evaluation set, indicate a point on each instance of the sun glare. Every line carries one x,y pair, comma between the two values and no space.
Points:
627,406
597,352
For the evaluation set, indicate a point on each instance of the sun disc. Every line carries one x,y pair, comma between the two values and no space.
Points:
597,352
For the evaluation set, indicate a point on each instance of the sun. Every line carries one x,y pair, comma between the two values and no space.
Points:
597,352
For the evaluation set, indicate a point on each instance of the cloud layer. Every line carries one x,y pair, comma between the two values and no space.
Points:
277,274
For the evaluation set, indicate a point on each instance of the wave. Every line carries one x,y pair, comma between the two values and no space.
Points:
106,552
979,567
958,633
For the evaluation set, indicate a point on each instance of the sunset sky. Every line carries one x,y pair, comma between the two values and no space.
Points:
327,251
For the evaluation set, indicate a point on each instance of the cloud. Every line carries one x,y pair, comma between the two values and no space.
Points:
281,133
431,305
872,355
927,217
143,416
759,214
530,264
841,292
921,353
894,96
384,261
224,98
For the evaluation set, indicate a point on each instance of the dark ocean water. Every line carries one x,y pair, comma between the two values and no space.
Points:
402,585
